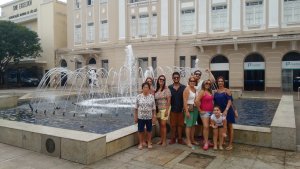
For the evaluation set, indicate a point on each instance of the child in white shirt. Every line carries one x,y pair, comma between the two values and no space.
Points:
218,123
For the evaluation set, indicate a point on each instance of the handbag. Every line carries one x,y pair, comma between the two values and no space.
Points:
190,107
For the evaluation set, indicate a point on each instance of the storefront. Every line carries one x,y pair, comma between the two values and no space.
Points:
291,71
219,66
254,72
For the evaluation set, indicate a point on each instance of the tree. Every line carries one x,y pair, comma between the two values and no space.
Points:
16,42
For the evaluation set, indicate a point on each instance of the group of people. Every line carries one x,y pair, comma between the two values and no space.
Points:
193,106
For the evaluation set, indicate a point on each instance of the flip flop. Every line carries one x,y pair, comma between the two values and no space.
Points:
229,147
159,143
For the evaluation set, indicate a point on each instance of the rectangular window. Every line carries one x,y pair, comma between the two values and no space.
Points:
90,2
104,64
78,36
154,65
143,63
193,61
134,1
219,17
182,61
182,65
154,24
143,24
90,37
77,4
104,30
187,21
133,25
291,11
103,1
78,65
254,13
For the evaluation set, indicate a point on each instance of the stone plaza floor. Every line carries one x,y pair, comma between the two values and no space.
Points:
171,156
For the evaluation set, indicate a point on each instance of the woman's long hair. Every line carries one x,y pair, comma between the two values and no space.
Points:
203,86
157,83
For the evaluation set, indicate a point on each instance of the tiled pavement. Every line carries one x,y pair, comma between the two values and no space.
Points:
172,156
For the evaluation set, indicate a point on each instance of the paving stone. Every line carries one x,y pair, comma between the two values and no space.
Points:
259,164
292,159
106,164
159,156
197,160
291,167
237,163
134,150
270,151
243,151
271,158
122,156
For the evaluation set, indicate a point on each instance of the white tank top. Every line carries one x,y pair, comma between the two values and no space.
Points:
191,98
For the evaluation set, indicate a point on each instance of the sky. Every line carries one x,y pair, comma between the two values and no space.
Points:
5,1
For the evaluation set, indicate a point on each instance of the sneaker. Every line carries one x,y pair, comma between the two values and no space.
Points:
149,146
172,141
205,147
140,147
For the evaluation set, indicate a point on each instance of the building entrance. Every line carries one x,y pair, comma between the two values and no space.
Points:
290,72
254,72
219,66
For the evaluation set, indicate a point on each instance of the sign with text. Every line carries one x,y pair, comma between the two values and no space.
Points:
219,66
291,65
254,66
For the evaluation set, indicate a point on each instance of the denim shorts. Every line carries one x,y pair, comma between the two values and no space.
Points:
206,114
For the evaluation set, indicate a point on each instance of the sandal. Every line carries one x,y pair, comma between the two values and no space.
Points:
159,143
229,147
190,145
140,147
195,143
149,146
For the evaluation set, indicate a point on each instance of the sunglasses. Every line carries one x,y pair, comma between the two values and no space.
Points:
162,79
192,81
198,74
176,77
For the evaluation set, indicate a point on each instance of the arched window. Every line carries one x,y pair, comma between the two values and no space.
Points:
92,61
63,63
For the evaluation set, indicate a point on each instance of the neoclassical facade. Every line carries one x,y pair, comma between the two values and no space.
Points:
254,44
46,17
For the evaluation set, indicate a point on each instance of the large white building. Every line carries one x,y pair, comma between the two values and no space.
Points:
254,44
46,17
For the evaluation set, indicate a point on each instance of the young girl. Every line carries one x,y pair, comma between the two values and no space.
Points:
218,123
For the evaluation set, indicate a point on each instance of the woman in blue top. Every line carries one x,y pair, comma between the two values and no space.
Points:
223,99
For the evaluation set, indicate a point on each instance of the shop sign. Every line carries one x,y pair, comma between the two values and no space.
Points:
219,66
254,66
291,65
